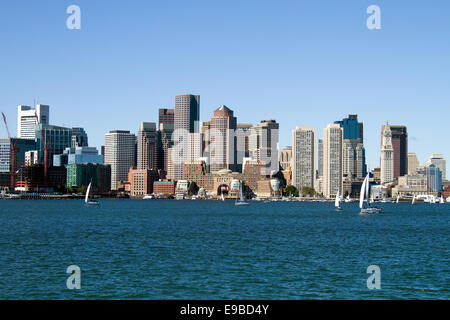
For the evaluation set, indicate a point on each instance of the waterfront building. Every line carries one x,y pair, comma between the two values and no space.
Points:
413,163
77,155
120,154
141,181
439,161
434,178
79,138
26,120
147,146
81,174
411,185
267,189
399,141
332,160
285,158
31,178
56,138
387,156
303,157
22,147
222,152
164,187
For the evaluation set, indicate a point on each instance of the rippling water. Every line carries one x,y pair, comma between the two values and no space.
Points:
164,249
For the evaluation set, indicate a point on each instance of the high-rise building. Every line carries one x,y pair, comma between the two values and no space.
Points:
56,138
354,154
164,143
79,138
332,160
222,150
120,154
242,133
434,178
166,116
285,158
147,146
80,175
303,157
195,146
387,156
439,161
23,146
263,144
26,120
413,163
187,116
400,146
320,158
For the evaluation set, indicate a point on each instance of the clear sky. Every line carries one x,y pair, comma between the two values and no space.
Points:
302,63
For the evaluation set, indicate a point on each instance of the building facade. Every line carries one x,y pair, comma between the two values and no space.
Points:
119,154
332,160
399,141
413,163
222,148
26,120
439,161
303,157
80,175
147,146
387,156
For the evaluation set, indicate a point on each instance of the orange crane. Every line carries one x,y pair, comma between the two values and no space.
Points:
46,146
14,149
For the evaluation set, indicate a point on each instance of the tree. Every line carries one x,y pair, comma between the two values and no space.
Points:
290,191
308,191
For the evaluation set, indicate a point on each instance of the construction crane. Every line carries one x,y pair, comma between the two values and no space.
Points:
46,146
14,149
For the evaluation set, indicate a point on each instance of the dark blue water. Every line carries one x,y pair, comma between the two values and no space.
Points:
213,250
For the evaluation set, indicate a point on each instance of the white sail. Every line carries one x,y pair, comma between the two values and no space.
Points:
337,200
414,199
87,193
240,191
442,200
363,192
223,197
398,198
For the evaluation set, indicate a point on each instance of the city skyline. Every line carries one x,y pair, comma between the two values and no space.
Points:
347,68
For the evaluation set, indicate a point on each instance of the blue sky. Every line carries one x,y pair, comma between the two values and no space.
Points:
299,62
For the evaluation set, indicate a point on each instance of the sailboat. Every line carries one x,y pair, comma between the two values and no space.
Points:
398,198
413,200
86,199
223,197
365,195
442,200
347,199
241,201
337,202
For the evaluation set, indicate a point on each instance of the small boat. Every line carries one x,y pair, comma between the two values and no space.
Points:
364,196
442,200
398,198
223,197
241,201
337,202
414,200
347,199
148,197
86,199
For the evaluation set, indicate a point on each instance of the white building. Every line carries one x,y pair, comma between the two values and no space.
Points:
31,158
120,154
303,157
387,156
26,120
413,163
332,160
195,146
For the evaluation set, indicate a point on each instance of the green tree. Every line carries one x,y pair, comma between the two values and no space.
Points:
308,191
290,191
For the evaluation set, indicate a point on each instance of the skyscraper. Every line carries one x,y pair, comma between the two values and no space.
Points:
263,144
187,116
354,154
166,116
79,138
413,163
26,120
147,146
387,156
400,147
120,154
195,146
439,161
303,157
332,160
222,148
164,143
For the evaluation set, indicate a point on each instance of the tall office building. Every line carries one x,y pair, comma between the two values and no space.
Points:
439,161
320,158
387,156
79,138
186,120
400,146
164,143
413,163
56,138
166,116
263,145
120,154
303,157
26,120
354,154
222,149
332,160
195,146
285,158
434,178
147,146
